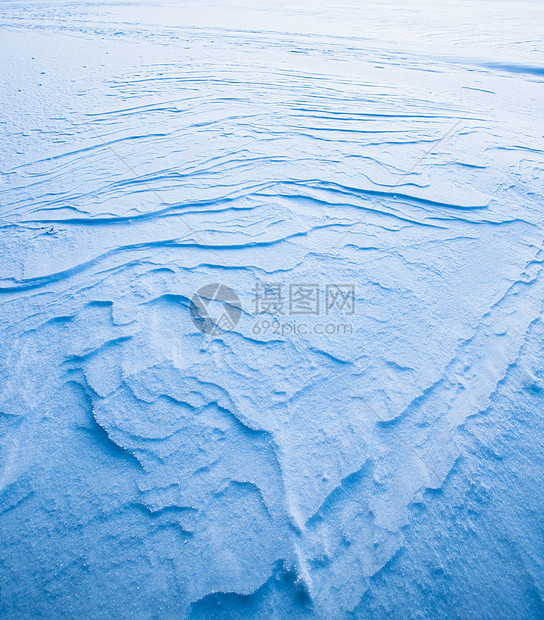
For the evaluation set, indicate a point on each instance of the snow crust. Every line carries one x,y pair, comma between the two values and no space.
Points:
150,470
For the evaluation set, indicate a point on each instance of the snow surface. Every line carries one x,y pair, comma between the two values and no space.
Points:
150,470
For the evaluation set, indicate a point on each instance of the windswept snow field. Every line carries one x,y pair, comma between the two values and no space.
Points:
353,426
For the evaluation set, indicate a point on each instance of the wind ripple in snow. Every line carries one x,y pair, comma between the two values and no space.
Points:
169,472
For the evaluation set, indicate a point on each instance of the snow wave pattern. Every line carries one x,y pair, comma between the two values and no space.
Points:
151,470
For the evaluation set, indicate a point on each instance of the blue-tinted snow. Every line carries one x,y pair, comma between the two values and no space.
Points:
149,470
